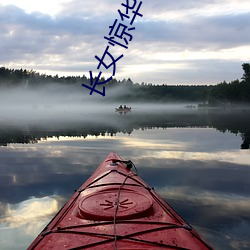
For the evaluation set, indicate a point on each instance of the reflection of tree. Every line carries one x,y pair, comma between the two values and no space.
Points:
246,141
236,122
222,120
16,137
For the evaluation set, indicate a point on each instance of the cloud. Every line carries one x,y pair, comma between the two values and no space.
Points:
193,32
93,8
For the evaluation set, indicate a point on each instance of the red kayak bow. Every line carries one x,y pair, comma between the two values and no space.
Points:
116,209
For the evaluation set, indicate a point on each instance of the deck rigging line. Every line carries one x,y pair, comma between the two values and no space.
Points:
130,174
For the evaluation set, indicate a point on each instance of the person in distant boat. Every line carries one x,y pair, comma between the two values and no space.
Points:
125,106
120,107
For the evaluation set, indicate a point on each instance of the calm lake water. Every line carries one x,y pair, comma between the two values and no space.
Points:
197,160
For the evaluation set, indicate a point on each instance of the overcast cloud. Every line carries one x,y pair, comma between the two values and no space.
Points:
175,42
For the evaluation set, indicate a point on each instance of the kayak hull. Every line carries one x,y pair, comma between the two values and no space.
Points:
116,209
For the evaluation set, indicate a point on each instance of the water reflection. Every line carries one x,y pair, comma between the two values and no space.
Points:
20,222
31,210
111,123
195,166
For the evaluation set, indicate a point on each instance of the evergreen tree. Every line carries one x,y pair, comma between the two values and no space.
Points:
246,69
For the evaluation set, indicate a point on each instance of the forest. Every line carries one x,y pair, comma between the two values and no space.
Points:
224,93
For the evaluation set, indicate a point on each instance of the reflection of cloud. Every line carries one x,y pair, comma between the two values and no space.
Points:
229,203
221,218
25,220
147,144
223,156
2,209
29,213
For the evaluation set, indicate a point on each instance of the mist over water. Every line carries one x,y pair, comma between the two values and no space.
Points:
60,102
53,137
48,102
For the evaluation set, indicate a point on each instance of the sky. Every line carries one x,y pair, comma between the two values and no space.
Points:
174,42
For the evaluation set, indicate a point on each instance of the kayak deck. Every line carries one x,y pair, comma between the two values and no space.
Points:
116,209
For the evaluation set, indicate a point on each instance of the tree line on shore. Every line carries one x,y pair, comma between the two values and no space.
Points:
236,91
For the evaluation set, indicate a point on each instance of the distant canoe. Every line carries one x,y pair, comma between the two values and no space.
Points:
126,110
